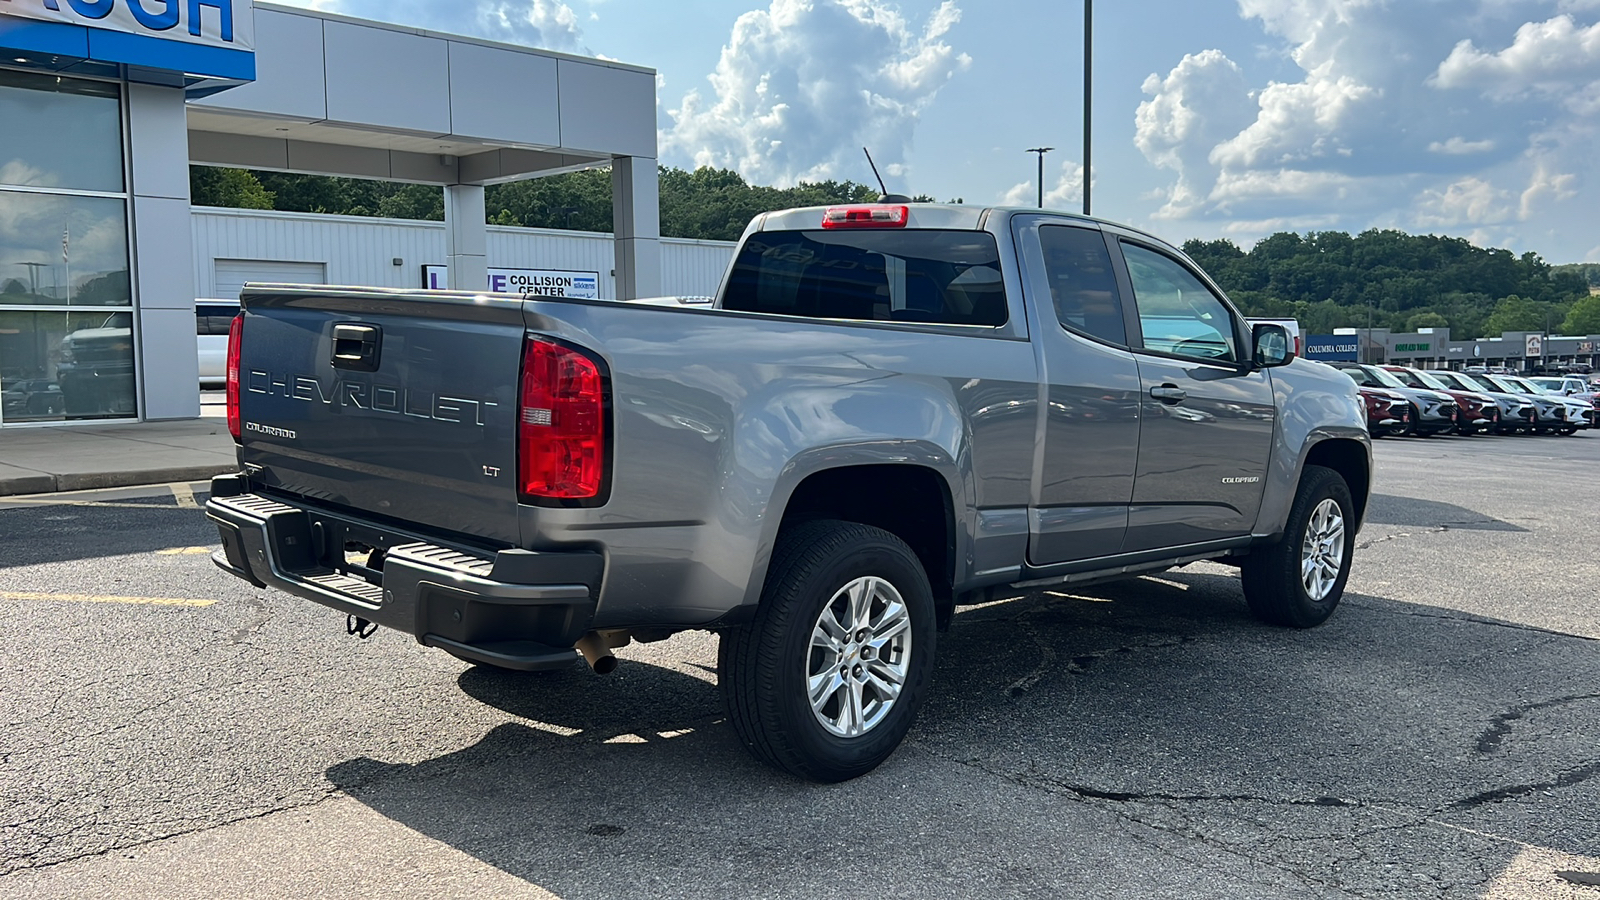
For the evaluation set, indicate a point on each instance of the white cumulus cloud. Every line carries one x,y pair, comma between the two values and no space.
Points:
1470,201
1203,102
1556,58
1406,113
1460,146
803,85
547,24
1066,193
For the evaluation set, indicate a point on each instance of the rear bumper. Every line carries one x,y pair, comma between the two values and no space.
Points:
517,609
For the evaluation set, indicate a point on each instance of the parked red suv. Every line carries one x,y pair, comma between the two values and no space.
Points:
1474,412
1388,413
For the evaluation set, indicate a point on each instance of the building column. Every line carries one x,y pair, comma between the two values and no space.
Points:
163,252
466,237
636,222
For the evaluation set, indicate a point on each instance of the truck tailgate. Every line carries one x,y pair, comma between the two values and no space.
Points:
388,403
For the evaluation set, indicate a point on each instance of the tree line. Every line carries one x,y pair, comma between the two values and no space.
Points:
1327,280
708,204
1390,279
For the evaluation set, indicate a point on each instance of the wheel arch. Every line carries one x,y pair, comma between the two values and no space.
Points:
1353,461
916,502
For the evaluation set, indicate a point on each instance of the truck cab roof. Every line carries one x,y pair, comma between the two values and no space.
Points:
928,215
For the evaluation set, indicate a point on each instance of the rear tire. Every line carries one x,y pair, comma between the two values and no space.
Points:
1298,581
827,680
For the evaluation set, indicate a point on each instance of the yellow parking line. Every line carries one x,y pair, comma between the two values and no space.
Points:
184,551
184,497
103,598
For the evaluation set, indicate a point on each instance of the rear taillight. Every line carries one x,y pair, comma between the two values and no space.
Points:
235,333
866,217
561,424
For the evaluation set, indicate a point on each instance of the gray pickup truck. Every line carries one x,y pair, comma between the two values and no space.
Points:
888,411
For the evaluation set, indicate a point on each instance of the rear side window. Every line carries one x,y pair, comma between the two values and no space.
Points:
947,277
213,318
1083,285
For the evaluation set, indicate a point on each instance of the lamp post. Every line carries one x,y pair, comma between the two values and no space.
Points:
33,277
1041,151
1088,95
1366,350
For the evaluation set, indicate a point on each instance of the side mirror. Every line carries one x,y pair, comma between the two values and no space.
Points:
1273,346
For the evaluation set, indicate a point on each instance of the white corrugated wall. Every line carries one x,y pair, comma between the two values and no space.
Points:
362,251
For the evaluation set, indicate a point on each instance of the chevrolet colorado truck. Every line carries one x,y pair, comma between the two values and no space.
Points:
888,411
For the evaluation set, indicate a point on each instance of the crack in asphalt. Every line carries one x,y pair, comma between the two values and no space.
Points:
1570,777
1085,794
1400,534
1501,724
1135,797
328,794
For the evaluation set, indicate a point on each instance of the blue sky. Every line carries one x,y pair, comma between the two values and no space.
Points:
1213,118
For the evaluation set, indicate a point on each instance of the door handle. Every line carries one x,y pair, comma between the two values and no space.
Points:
1169,393
357,347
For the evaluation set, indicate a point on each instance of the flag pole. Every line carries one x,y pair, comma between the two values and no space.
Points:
66,259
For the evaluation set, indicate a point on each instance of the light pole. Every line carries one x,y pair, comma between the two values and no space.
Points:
1366,350
1088,95
33,277
1041,151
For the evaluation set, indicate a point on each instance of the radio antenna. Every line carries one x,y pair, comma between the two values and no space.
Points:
881,185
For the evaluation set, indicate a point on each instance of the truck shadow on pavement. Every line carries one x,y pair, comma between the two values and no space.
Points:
66,532
1387,509
1072,738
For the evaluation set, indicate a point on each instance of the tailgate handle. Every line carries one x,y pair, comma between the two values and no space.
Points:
357,347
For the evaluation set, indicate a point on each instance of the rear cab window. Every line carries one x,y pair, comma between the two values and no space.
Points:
945,277
1083,283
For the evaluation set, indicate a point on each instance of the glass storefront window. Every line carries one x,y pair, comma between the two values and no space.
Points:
63,250
66,365
66,317
60,133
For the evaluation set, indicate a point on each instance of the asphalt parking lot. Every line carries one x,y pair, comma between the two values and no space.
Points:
170,732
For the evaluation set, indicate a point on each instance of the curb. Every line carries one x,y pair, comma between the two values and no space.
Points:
90,481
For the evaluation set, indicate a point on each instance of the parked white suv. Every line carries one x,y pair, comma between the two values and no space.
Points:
211,321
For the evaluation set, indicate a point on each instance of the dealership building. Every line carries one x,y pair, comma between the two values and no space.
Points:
105,104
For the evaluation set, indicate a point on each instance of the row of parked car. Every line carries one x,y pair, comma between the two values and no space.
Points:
1401,400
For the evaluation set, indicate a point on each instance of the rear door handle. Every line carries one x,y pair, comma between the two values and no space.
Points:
357,347
1169,393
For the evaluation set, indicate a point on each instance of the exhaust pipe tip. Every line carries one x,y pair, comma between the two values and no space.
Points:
597,654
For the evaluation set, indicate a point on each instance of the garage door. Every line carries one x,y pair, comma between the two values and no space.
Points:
233,274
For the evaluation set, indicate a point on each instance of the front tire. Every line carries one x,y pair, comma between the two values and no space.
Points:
1298,581
827,680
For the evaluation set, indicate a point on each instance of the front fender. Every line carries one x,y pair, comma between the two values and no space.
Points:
1316,403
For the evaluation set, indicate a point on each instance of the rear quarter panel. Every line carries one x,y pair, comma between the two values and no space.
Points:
718,416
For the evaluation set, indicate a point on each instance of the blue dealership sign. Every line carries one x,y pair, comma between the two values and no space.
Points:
214,38
1333,347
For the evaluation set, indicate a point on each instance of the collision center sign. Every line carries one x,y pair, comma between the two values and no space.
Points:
527,282
227,24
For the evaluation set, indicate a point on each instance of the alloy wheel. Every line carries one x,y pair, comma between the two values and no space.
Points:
859,657
1322,552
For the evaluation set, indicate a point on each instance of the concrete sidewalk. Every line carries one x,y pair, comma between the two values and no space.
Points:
87,457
